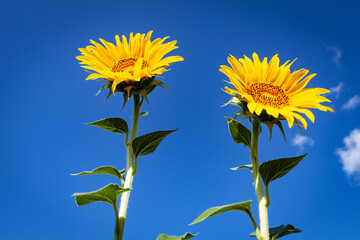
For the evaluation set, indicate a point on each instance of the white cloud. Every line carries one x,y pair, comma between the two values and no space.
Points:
352,103
301,141
337,90
337,54
350,154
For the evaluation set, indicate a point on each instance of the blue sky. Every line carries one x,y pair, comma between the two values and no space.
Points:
45,101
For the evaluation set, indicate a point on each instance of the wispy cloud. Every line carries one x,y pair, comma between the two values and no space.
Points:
301,141
350,154
337,90
352,103
337,54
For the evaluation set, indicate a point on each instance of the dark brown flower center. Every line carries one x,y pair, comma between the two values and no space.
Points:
269,95
122,64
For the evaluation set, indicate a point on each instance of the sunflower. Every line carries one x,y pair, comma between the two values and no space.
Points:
129,61
272,89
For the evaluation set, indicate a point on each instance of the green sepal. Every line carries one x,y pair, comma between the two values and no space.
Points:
144,87
107,85
109,94
300,126
104,170
150,89
115,125
183,237
239,113
146,144
242,206
109,194
234,101
126,97
143,93
270,125
239,133
279,124
281,231
159,83
248,166
277,168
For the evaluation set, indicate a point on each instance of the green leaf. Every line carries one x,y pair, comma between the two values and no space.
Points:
109,194
277,168
248,166
281,231
243,207
115,125
183,237
239,133
147,143
144,114
104,170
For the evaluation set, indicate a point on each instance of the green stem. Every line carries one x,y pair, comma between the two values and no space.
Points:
129,177
263,214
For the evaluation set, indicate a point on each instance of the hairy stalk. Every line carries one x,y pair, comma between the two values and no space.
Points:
263,214
117,225
129,177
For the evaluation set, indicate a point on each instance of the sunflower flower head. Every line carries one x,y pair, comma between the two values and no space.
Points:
271,92
131,65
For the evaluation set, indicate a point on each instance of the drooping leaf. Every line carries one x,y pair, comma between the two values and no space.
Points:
248,166
109,194
183,237
115,125
277,168
239,133
146,144
104,170
281,231
242,206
